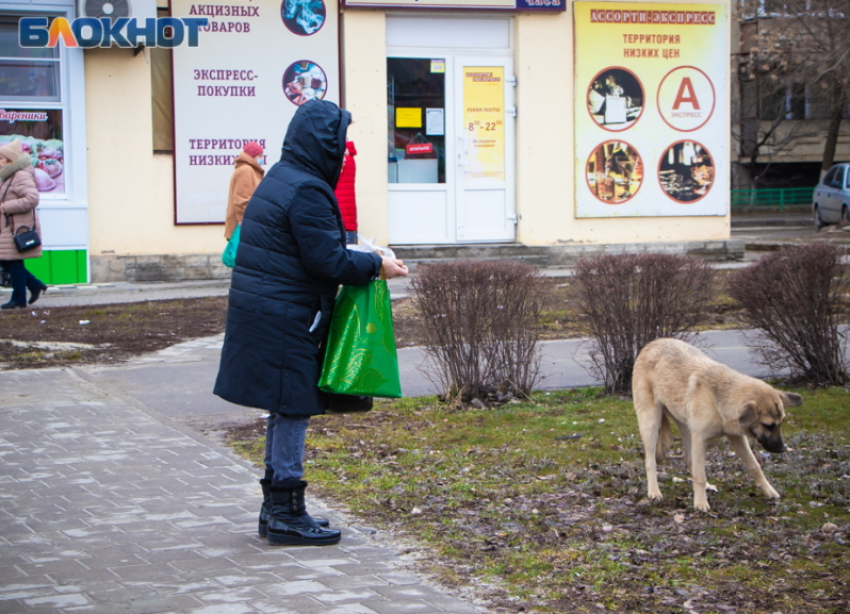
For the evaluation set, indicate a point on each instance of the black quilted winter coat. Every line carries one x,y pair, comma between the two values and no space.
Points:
289,265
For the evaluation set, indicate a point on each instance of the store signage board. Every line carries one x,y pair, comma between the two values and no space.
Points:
488,5
651,109
244,82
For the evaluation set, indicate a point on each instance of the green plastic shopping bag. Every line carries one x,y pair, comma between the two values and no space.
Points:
360,356
229,255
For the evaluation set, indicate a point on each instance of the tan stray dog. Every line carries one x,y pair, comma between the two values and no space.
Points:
674,380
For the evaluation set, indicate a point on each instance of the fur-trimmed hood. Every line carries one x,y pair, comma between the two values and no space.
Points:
20,164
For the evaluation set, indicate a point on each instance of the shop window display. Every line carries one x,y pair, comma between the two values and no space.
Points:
416,95
40,134
30,78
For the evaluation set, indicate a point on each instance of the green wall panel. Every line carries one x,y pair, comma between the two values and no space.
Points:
60,266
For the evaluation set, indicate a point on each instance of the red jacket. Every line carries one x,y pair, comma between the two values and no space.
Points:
345,194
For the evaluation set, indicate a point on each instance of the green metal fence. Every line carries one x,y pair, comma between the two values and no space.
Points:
778,198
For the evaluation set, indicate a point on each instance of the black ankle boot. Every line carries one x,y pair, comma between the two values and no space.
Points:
289,523
266,510
34,294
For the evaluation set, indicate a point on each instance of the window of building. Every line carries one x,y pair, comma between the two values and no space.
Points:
772,103
32,105
416,100
795,101
27,74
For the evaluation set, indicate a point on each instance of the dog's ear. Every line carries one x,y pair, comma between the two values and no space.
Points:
748,415
791,399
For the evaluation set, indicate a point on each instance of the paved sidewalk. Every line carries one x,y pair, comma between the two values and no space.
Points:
125,292
108,506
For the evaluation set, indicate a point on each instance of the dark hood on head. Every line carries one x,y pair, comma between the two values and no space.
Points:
315,139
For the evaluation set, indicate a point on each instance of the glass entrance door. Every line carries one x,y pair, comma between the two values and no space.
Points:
485,176
421,206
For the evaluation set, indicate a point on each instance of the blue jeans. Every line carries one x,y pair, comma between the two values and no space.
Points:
21,280
284,460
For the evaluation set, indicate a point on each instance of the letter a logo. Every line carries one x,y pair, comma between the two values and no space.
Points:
686,98
691,96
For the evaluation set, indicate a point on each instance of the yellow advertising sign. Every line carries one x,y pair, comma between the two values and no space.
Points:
651,109
484,122
408,117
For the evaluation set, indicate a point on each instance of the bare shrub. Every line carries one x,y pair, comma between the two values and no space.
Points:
481,322
631,299
796,298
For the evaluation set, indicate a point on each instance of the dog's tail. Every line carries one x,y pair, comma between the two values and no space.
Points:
665,440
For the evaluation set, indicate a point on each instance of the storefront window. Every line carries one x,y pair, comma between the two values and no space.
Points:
30,108
26,73
416,100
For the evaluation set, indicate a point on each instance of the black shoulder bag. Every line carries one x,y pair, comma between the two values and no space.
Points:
25,238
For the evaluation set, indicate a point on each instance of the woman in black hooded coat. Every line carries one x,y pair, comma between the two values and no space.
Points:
289,265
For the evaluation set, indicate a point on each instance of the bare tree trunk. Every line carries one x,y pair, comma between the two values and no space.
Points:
834,127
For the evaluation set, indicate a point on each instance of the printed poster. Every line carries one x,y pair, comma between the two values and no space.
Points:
255,64
40,133
651,109
483,121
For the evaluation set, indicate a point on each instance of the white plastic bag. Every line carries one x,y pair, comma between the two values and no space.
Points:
368,245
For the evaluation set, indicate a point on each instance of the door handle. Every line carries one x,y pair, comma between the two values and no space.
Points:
461,151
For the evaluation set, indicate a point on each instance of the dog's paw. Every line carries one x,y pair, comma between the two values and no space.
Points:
654,496
702,506
771,493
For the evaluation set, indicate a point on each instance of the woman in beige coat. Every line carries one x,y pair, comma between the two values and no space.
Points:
246,177
18,200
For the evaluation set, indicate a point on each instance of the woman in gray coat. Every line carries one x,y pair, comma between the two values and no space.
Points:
18,200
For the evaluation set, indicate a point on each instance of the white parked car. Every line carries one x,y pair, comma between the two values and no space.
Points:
832,197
